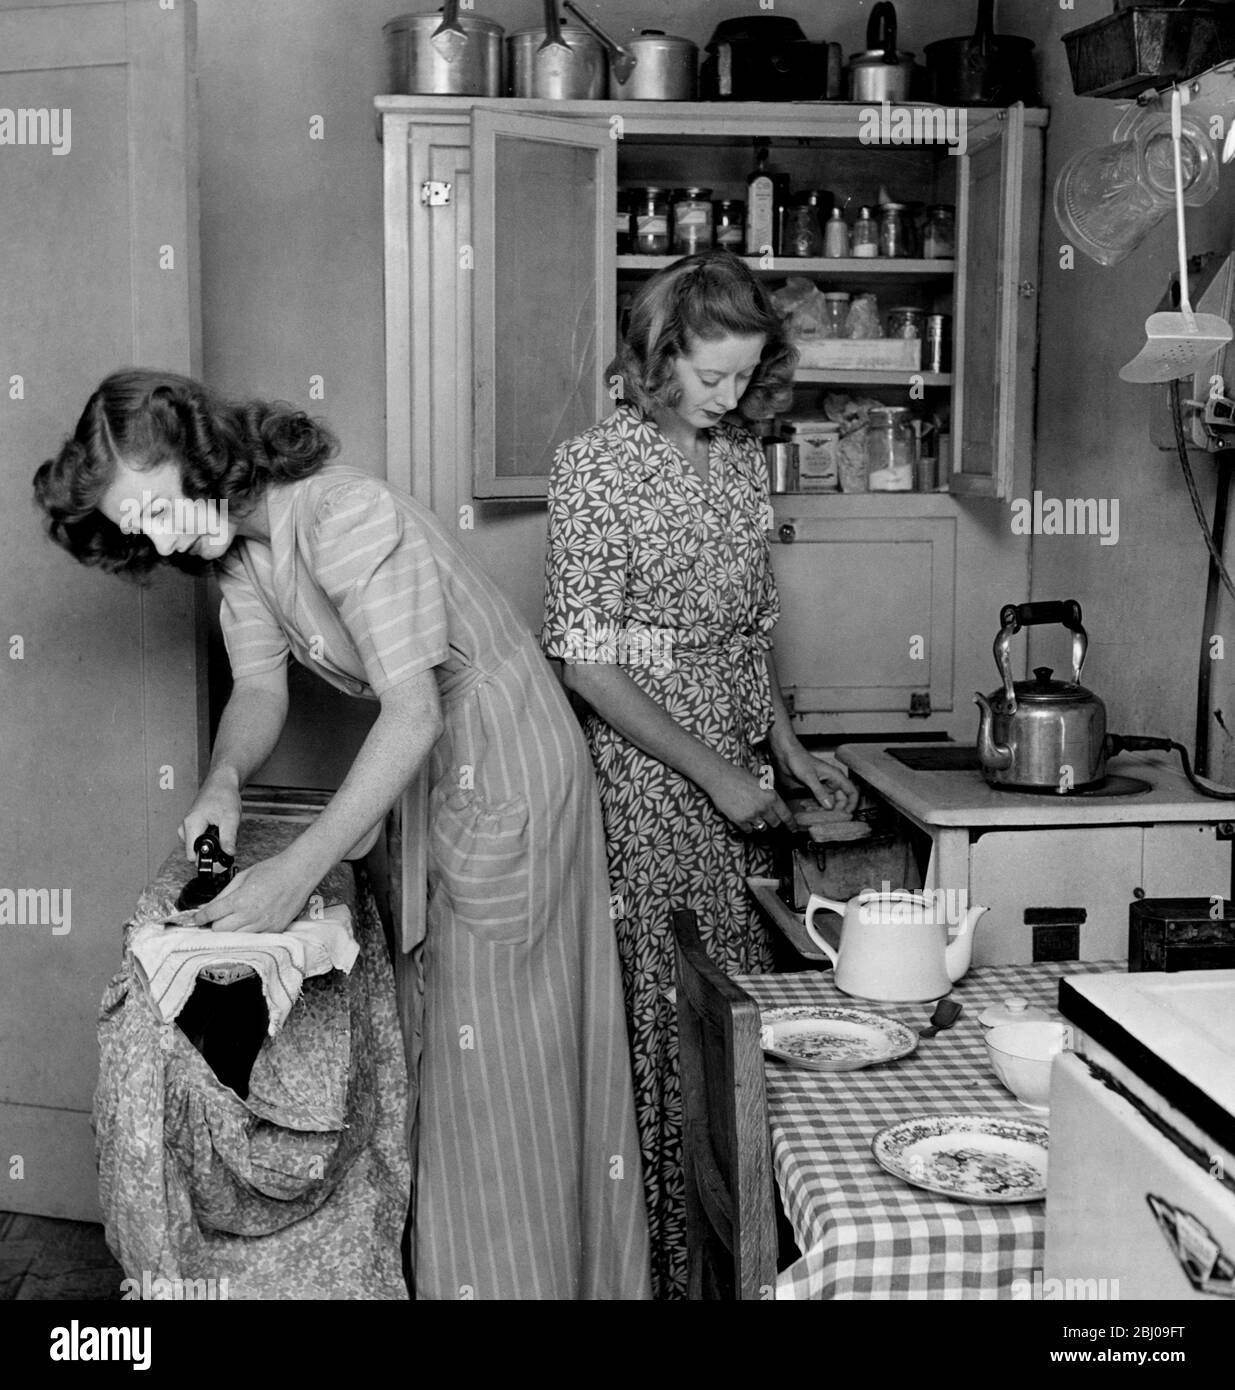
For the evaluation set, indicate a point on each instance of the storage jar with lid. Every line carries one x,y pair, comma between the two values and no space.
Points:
906,322
865,240
729,223
892,237
692,221
939,237
651,221
803,236
890,449
836,312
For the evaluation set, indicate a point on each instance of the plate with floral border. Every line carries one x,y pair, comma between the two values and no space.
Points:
833,1038
974,1158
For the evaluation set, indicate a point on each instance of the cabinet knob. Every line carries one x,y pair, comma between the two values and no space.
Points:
1028,289
788,533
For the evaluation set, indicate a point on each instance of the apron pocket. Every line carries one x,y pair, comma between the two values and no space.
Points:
480,853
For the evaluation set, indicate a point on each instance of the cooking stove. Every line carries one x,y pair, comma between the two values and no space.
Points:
1057,872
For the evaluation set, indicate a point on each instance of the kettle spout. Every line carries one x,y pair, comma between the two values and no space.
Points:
960,948
990,754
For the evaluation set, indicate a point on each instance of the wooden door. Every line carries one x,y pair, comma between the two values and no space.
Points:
100,711
544,330
991,341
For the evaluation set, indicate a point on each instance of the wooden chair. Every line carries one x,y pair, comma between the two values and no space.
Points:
726,1146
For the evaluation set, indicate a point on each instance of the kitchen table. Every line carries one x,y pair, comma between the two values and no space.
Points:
864,1233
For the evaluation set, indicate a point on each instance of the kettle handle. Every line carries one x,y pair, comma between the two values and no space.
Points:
1014,616
881,30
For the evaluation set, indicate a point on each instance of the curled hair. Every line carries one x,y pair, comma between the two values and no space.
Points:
226,451
700,299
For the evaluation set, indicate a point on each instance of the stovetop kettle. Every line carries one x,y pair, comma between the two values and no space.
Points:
1042,734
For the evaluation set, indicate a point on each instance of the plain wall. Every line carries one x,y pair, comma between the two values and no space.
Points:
1143,598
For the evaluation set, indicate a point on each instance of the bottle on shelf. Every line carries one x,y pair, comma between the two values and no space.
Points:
767,192
865,236
836,236
803,236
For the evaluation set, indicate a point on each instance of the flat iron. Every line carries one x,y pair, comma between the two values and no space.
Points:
215,870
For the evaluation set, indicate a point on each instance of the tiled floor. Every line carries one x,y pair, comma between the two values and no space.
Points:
41,1258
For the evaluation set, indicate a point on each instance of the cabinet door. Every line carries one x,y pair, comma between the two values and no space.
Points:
854,650
995,321
544,311
102,705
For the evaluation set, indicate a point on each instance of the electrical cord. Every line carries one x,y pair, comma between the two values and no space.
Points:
1181,444
1142,743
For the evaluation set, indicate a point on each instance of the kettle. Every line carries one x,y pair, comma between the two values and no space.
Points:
1043,734
894,945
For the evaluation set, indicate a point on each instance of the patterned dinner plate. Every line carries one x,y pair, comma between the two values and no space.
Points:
825,1038
974,1158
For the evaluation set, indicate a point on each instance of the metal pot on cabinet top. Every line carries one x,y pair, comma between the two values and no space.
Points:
654,67
557,63
882,73
1043,734
444,54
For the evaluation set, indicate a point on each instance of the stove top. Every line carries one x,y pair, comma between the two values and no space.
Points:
1113,784
943,785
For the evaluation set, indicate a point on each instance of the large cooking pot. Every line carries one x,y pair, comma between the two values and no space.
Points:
882,73
984,68
764,58
654,67
444,54
1043,734
557,62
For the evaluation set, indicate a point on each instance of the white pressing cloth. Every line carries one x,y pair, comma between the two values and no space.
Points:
169,959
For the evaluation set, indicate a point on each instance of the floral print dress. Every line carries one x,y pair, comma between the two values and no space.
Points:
652,568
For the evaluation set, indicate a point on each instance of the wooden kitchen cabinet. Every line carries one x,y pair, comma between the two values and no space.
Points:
502,293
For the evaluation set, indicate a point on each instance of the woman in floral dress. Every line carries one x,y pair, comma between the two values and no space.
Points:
661,604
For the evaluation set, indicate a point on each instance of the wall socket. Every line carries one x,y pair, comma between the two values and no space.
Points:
1056,942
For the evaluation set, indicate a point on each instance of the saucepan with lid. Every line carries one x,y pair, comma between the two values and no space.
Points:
557,63
444,53
653,67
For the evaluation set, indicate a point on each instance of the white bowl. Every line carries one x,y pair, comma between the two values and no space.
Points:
1021,1055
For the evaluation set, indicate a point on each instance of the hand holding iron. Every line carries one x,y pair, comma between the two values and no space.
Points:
266,897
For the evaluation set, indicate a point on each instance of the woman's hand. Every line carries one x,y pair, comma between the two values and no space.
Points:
268,896
217,803
741,797
824,779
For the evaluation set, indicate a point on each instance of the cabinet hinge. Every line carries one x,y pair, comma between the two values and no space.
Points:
788,695
434,193
920,704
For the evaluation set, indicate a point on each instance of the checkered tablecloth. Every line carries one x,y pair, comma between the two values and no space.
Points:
864,1233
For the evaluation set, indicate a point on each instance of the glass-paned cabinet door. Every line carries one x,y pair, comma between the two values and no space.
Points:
544,308
989,308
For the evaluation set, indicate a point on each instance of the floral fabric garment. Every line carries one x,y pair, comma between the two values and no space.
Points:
652,568
301,1190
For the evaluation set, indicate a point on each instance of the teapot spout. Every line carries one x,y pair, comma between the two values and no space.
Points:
960,948
993,755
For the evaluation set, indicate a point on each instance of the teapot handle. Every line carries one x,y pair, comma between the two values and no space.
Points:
1014,616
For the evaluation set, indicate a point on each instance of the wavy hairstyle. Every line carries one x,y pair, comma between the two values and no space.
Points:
227,451
702,298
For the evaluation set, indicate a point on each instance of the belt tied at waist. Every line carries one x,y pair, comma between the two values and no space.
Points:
742,657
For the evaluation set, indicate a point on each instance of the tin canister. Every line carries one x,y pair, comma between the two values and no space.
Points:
937,343
782,465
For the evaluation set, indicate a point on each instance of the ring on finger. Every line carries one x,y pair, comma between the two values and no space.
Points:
760,825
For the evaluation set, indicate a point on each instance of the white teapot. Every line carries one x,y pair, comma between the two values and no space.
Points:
894,945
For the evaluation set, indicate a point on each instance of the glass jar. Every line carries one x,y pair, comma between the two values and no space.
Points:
803,236
729,222
892,239
890,449
939,236
650,210
623,222
906,322
692,221
865,240
835,313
